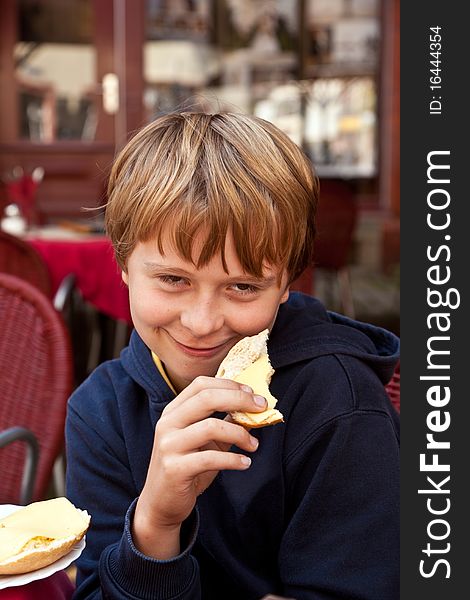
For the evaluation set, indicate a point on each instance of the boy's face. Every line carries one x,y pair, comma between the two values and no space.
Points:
192,317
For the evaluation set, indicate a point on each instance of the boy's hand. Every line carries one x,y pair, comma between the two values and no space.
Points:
190,448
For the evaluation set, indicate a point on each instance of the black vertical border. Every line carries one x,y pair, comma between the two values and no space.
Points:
421,133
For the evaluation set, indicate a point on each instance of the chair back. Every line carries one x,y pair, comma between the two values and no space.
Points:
393,388
19,258
35,381
336,223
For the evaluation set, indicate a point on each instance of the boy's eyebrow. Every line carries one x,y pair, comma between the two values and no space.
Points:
153,266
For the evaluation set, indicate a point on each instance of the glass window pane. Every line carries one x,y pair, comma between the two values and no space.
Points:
222,55
313,75
56,70
340,126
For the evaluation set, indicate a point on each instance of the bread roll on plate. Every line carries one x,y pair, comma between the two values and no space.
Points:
39,534
248,362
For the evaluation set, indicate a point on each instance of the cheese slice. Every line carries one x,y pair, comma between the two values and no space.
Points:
257,376
248,363
48,520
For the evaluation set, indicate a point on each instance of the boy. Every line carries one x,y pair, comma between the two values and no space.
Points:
212,217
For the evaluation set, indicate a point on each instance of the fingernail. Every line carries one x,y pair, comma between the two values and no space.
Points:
247,388
259,400
254,442
246,460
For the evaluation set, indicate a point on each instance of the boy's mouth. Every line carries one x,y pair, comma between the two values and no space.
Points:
204,351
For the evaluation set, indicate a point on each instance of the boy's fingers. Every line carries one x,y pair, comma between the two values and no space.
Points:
208,401
199,384
201,433
197,463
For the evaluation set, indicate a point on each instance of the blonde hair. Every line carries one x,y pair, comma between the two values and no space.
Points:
186,173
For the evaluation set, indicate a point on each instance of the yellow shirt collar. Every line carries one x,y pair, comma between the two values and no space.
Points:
162,371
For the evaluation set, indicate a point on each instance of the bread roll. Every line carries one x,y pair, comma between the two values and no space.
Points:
39,534
248,362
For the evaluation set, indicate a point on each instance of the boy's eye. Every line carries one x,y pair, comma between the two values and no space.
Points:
171,279
245,288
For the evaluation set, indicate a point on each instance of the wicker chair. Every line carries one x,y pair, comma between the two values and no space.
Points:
22,434
19,258
35,382
393,388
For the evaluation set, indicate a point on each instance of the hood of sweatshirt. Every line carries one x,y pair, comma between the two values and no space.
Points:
303,330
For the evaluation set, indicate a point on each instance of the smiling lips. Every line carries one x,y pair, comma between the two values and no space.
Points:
201,352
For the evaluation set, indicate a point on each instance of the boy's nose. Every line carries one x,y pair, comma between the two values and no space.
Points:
202,318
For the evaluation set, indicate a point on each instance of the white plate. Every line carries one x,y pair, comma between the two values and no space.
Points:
7,581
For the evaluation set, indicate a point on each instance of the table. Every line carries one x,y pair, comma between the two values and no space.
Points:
91,260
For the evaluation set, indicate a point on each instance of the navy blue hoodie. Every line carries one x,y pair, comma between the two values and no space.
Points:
316,516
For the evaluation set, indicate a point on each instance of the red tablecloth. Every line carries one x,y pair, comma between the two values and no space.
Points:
97,274
55,587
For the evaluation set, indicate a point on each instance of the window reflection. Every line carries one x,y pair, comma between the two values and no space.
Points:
231,55
56,70
340,120
312,74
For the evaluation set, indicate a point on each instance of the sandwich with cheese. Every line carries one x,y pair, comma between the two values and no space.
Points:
248,363
39,534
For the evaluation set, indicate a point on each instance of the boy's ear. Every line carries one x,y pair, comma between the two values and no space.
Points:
285,295
125,278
